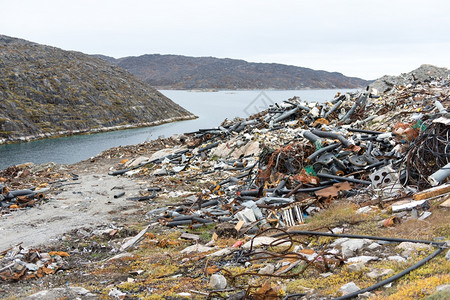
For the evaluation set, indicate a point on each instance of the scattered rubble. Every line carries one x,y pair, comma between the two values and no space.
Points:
253,182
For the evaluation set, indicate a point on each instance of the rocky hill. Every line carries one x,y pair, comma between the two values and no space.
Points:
46,91
183,72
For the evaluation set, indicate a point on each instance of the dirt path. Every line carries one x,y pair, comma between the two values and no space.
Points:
86,202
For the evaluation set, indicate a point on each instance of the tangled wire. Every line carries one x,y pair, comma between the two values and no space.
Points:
427,154
287,160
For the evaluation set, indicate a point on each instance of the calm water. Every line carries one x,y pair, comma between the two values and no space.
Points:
211,107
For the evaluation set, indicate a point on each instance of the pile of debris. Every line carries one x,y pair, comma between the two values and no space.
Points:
22,263
254,182
279,166
27,185
274,169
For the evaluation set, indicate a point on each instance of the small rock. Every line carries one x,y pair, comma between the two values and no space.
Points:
269,269
121,255
364,210
366,295
350,247
217,282
361,259
325,275
447,256
409,248
196,248
373,246
187,295
349,288
338,230
73,292
265,241
221,252
339,242
396,258
378,273
443,288
115,293
355,267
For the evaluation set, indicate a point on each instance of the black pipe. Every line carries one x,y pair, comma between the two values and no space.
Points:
378,164
286,114
182,218
210,203
154,189
18,193
332,135
252,193
279,187
322,150
118,172
364,131
210,146
177,223
392,278
350,112
358,236
247,198
312,137
333,108
119,195
201,220
142,198
340,178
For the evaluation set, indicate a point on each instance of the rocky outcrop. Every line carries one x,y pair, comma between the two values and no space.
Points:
184,72
46,91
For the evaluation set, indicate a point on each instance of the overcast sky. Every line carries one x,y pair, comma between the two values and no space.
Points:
359,38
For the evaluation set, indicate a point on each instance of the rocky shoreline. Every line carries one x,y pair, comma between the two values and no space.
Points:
92,131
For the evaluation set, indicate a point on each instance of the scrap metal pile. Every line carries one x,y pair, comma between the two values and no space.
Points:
276,167
17,199
27,185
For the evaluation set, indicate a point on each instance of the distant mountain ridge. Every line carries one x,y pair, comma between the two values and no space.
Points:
46,91
185,72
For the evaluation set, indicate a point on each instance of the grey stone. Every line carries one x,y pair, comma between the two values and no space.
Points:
443,288
268,269
355,267
361,259
447,256
409,248
339,242
221,252
366,295
196,248
351,247
364,210
373,246
379,273
349,288
397,258
338,230
217,282
61,293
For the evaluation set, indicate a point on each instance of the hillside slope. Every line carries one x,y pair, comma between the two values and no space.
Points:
47,91
183,72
